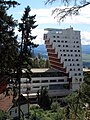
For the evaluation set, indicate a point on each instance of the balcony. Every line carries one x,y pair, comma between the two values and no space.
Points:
54,59
59,68
48,46
56,63
51,50
53,55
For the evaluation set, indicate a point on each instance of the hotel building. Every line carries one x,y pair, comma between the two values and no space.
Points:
66,72
64,53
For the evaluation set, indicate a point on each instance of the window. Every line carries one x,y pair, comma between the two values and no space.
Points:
69,59
66,45
68,55
74,46
76,41
78,65
60,50
35,86
71,50
76,59
53,36
45,36
62,41
67,50
63,45
65,41
37,81
72,59
54,41
78,50
70,69
70,64
75,74
65,59
76,55
59,45
52,80
57,36
64,55
56,86
44,86
80,79
79,74
77,46
71,54
44,81
78,69
61,80
75,50
58,40
63,50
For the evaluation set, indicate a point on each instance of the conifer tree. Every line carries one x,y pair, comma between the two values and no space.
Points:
26,26
8,40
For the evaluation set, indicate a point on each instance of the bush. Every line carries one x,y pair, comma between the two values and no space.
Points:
55,106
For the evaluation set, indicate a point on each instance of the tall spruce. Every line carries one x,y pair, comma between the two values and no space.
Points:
8,40
26,26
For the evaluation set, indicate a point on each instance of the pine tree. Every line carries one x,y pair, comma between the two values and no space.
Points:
26,27
8,40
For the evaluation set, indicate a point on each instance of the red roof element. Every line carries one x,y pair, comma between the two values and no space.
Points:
5,102
3,84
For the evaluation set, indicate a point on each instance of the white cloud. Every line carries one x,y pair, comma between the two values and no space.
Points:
43,16
85,38
39,33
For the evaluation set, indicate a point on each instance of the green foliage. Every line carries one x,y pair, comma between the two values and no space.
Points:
40,62
43,99
8,41
26,26
3,115
55,106
86,88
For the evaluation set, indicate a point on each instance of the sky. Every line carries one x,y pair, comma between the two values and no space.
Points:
45,19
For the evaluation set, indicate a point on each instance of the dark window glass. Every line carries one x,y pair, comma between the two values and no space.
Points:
57,36
61,80
54,41
44,81
52,80
65,59
66,45
53,36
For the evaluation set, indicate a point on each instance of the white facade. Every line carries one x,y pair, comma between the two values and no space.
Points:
54,81
67,44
